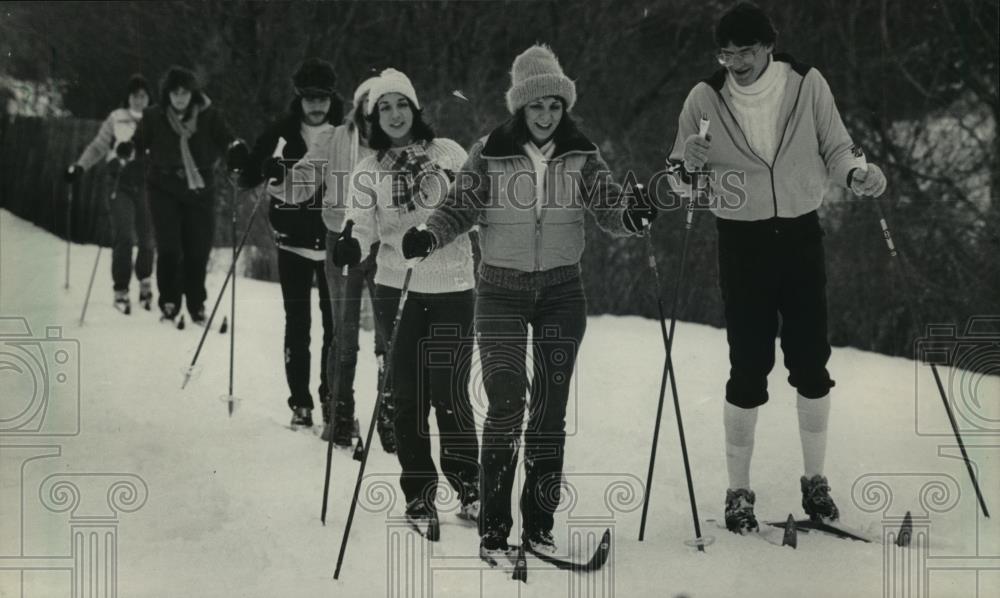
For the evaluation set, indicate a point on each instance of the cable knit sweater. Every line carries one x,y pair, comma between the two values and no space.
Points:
448,268
757,105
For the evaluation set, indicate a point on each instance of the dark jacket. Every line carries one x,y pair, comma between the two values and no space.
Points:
155,139
294,225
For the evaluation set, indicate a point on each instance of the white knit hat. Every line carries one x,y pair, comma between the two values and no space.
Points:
391,81
364,88
536,73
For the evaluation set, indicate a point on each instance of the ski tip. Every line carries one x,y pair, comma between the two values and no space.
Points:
905,533
791,535
520,567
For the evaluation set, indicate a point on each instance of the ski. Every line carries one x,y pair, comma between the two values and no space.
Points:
773,537
432,531
832,528
516,556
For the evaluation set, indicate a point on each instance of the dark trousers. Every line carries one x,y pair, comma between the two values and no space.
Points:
430,366
768,269
345,298
184,224
130,226
558,319
296,274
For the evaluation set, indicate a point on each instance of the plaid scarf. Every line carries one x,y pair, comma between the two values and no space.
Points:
406,168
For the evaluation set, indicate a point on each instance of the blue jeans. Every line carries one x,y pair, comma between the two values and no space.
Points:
558,318
345,299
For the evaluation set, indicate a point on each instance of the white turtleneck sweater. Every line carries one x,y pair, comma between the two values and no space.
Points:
540,157
757,105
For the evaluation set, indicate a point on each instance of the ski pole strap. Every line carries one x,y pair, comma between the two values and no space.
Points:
888,237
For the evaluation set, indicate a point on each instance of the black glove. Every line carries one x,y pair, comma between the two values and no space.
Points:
73,174
273,168
418,243
347,250
124,150
640,212
237,156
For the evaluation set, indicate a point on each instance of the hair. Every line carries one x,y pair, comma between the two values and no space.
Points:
379,140
135,83
518,126
176,77
334,115
745,24
357,115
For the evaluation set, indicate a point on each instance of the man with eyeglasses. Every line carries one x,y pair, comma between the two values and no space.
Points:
776,139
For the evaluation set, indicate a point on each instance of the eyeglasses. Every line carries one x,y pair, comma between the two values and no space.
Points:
727,58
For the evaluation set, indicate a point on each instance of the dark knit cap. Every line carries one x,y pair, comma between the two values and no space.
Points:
745,24
315,77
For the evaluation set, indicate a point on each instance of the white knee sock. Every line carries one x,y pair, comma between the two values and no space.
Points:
814,414
740,427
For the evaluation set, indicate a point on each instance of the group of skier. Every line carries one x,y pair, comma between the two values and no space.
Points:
376,200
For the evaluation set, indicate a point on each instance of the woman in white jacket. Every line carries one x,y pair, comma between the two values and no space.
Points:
390,192
129,211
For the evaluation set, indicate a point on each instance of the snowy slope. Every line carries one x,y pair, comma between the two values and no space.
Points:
233,503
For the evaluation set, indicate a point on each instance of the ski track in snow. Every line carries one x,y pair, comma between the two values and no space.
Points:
233,504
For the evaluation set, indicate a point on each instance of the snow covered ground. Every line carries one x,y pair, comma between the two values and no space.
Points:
230,506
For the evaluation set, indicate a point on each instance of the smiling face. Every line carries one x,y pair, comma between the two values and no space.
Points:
395,116
542,116
745,63
180,98
315,109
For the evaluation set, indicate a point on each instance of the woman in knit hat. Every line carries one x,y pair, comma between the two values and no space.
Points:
129,209
527,185
391,191
182,139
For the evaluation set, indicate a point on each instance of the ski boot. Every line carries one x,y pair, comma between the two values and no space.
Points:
493,548
540,541
168,312
816,500
423,518
740,518
122,302
146,294
198,315
301,417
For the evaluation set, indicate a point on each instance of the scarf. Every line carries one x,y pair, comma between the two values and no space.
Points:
406,166
184,130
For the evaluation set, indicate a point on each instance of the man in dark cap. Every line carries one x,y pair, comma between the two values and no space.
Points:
299,231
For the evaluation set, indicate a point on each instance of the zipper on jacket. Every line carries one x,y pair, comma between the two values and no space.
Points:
781,140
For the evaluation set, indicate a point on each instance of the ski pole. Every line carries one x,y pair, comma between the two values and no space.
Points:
218,299
69,226
232,296
908,295
668,367
93,273
348,227
375,411
669,375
